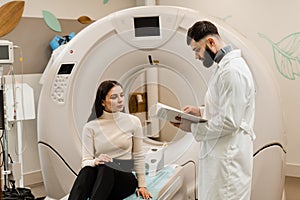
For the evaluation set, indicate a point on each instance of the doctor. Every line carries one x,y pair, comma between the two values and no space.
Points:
226,157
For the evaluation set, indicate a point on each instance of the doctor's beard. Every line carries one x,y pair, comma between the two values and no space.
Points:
209,57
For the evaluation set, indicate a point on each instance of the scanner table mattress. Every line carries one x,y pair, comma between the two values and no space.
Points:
157,183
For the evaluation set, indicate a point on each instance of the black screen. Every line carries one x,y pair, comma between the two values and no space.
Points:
4,52
66,68
146,26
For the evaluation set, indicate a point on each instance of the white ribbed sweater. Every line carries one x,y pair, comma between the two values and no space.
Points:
118,135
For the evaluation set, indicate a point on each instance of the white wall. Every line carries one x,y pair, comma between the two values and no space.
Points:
275,19
68,9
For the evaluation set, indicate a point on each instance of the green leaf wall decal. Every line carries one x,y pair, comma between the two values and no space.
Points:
51,21
287,55
105,1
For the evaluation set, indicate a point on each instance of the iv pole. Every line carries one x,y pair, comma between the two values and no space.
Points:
13,113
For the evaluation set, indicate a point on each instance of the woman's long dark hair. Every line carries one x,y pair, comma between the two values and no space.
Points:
103,89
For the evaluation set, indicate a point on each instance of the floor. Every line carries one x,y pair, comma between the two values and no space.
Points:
292,189
38,190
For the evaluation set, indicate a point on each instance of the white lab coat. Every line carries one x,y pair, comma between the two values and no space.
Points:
226,153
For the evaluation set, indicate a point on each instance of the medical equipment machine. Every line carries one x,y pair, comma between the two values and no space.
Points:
6,52
145,49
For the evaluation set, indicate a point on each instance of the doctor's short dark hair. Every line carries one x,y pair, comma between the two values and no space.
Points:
199,30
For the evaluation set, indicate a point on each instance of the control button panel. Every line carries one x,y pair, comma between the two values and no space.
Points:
61,83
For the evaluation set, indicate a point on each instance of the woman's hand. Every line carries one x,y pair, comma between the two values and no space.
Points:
142,191
102,159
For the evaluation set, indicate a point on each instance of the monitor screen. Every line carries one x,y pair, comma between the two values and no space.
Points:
4,52
146,26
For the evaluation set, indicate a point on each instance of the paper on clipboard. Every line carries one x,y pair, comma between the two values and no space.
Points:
169,113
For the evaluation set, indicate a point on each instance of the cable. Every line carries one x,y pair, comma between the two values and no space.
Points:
56,152
2,162
22,97
2,110
268,146
11,160
2,150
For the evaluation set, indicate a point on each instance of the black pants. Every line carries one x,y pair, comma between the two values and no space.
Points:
103,183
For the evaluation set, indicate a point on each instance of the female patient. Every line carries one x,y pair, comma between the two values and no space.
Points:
113,135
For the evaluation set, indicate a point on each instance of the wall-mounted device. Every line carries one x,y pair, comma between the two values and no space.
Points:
6,52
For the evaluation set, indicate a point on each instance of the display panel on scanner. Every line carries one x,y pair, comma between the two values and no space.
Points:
66,68
146,26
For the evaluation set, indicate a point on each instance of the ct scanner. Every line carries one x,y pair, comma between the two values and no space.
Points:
144,48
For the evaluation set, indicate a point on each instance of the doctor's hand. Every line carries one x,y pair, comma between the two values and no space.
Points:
102,159
142,191
193,110
183,124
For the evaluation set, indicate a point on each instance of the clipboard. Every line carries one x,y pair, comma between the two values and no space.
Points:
169,113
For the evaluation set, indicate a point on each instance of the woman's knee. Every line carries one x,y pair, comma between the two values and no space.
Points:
87,173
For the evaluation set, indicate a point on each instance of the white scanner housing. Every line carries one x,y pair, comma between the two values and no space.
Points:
147,46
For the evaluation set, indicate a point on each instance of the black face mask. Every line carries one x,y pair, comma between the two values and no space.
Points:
209,57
